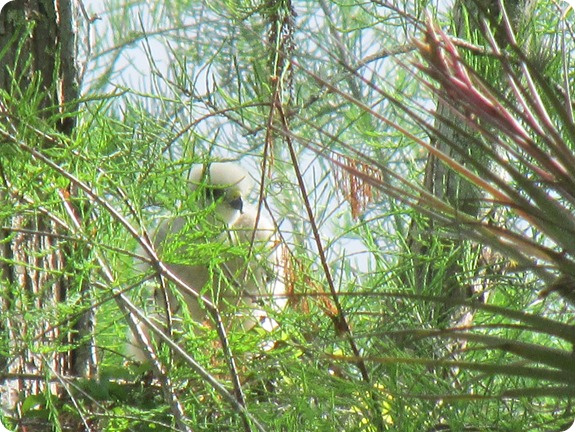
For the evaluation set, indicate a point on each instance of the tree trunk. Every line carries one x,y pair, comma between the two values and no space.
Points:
469,18
39,345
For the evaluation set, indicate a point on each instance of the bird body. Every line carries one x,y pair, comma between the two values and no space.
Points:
224,251
258,269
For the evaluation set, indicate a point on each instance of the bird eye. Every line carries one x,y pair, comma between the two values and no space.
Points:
214,193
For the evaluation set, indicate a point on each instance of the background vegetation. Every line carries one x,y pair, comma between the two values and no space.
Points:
417,159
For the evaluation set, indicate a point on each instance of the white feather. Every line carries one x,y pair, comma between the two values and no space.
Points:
247,274
228,177
258,271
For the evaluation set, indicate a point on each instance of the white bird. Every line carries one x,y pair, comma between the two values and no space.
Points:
223,249
258,269
223,184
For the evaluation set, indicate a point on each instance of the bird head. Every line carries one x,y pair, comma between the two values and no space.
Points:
225,185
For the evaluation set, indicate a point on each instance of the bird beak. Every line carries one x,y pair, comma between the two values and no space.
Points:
237,204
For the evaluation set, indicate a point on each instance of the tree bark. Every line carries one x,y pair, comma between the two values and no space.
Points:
469,17
38,42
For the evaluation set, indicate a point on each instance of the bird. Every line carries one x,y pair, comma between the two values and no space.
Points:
225,249
259,267
226,185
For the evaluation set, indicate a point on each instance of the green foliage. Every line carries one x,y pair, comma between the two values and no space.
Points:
334,118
